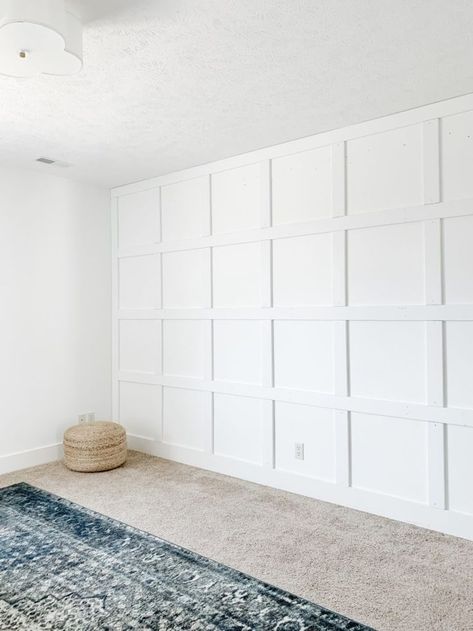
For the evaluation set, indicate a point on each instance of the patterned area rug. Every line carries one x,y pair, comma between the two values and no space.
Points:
63,566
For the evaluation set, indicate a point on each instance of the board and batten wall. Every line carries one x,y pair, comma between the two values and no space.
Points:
317,292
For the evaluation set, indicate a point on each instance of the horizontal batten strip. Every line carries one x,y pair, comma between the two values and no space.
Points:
413,313
455,208
409,411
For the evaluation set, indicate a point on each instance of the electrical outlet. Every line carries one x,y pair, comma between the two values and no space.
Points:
299,451
83,418
90,417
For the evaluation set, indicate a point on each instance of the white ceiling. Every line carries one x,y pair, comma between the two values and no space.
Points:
169,84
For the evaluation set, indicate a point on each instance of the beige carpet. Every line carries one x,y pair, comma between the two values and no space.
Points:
389,575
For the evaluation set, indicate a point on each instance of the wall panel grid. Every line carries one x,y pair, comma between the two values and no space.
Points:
321,296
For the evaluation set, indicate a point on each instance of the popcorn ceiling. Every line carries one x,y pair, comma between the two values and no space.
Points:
171,84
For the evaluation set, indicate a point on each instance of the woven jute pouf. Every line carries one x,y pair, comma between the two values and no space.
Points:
98,446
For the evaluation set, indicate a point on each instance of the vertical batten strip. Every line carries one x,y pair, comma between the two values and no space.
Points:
266,274
209,438
211,214
436,431
161,359
340,352
339,261
210,263
339,268
161,256
209,350
211,249
266,246
267,353
339,239
161,420
161,363
341,417
435,374
209,343
266,205
433,262
431,161
435,361
269,434
437,465
339,180
160,238
208,227
159,217
162,372
342,455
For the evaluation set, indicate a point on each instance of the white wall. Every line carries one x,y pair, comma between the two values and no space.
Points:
55,284
321,292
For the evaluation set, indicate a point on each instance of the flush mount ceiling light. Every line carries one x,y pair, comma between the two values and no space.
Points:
39,37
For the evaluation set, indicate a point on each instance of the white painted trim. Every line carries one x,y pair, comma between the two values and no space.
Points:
266,201
436,464
142,444
30,458
160,214
266,274
209,350
431,161
269,436
453,523
457,208
342,446
267,354
336,222
209,434
436,443
208,220
393,121
413,313
339,180
435,364
339,262
395,409
210,289
433,262
340,358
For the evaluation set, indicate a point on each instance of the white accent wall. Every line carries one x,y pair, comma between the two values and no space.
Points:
55,334
316,292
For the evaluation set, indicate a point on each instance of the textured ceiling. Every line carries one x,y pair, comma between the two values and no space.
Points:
169,84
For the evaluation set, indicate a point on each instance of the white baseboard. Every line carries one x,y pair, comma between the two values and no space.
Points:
423,515
30,458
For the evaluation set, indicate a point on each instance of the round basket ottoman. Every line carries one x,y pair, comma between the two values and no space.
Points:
98,446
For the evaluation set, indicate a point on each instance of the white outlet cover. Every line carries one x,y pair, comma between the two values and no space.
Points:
299,451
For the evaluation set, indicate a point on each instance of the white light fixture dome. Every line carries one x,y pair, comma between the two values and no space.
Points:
39,36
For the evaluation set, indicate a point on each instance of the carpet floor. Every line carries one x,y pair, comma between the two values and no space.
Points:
388,575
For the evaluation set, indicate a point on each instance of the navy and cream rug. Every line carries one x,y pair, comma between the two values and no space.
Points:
63,566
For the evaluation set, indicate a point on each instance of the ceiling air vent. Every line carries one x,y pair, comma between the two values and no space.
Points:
58,163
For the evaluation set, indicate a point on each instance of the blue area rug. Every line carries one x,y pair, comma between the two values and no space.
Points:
63,566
